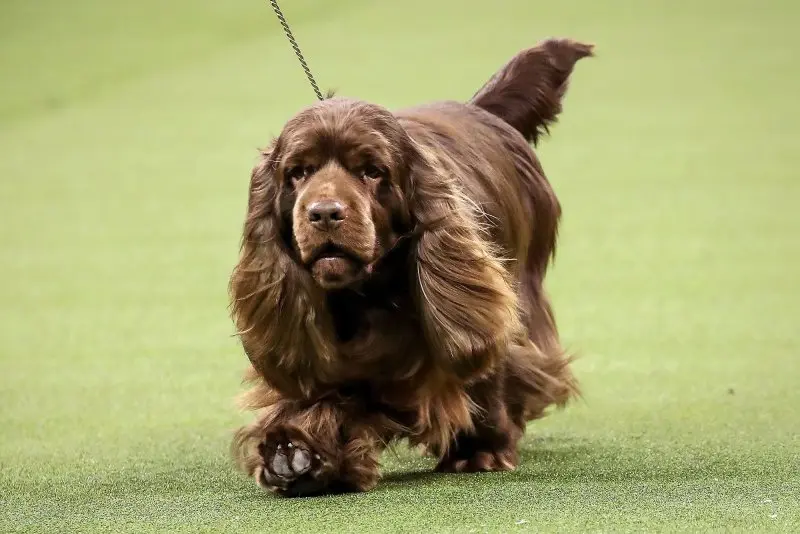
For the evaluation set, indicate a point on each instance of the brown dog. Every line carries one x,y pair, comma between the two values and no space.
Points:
390,283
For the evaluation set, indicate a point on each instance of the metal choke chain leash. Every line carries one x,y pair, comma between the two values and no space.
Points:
296,48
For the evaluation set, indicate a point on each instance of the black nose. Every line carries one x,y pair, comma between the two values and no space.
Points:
326,213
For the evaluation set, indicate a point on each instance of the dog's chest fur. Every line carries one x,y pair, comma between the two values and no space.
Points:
376,336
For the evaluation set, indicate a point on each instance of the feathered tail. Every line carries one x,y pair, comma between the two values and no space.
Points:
526,93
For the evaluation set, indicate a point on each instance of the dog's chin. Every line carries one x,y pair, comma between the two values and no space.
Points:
336,267
336,272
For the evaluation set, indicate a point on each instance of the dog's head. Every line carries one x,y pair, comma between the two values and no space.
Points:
331,197
336,175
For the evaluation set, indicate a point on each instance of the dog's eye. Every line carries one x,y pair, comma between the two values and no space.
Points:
298,172
372,171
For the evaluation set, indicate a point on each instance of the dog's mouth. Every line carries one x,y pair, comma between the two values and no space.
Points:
334,266
332,251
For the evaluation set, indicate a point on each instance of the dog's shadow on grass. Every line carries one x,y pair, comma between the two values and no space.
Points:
556,460
540,460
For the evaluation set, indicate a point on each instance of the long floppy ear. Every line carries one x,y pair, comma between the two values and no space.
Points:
464,294
278,311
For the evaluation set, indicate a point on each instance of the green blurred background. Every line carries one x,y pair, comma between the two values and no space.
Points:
127,131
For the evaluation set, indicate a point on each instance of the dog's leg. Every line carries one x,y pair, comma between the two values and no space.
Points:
492,445
296,450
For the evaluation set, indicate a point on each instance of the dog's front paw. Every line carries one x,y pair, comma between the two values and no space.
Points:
291,467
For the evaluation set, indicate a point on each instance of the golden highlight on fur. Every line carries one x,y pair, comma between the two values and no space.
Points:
390,283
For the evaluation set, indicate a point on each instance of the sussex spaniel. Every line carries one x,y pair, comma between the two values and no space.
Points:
390,283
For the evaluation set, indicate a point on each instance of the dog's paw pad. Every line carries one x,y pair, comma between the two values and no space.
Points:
290,467
301,461
287,460
280,465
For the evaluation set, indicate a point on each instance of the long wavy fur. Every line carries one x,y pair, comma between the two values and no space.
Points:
450,340
277,309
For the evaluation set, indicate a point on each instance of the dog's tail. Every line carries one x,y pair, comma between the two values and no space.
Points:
526,93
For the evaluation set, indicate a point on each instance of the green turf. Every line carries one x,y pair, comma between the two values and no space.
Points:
127,131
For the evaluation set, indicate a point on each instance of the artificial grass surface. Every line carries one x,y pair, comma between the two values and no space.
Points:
126,135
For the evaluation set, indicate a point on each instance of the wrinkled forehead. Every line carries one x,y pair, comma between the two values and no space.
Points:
344,129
